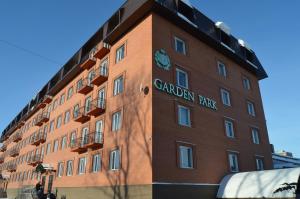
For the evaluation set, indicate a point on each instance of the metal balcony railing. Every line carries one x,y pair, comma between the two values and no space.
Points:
80,115
3,148
85,86
97,107
102,50
35,159
101,75
89,60
11,167
14,152
17,136
42,118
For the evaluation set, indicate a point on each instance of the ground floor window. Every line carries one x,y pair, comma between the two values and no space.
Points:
114,161
81,165
186,157
233,162
259,164
96,163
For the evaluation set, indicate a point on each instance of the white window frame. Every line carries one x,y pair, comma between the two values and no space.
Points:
259,164
222,69
176,39
96,164
180,122
246,83
120,53
70,92
64,142
67,117
48,149
59,122
225,96
118,85
178,71
255,136
60,169
116,123
81,165
69,168
55,145
251,108
229,126
189,158
233,158
115,160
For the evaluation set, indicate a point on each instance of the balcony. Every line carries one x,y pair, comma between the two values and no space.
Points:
85,86
41,105
79,145
47,99
3,148
39,137
42,118
14,152
97,107
89,62
95,140
1,160
80,115
20,124
101,76
11,167
17,136
35,160
102,50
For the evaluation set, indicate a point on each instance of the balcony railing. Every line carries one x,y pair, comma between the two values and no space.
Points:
81,115
89,61
14,152
39,137
42,118
47,99
85,86
79,145
3,148
101,76
17,136
11,167
95,140
97,107
35,160
102,50
1,160
20,124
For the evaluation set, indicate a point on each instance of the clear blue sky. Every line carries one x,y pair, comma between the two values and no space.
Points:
58,28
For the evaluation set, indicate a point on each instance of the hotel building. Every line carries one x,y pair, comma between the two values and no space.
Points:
161,102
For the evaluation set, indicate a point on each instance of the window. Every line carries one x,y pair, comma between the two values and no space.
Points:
184,117
62,99
76,111
67,117
55,146
120,53
255,136
70,93
118,85
229,129
60,169
55,104
259,164
96,163
246,83
233,162
81,165
182,78
63,142
51,129
48,148
58,122
186,157
251,110
114,160
69,168
225,95
73,139
103,67
222,69
116,121
48,110
180,46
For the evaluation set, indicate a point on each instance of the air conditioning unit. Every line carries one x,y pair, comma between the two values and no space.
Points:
222,26
244,44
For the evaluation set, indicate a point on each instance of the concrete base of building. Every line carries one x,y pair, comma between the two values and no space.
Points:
155,191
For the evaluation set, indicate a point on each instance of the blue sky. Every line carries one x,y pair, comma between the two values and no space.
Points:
56,29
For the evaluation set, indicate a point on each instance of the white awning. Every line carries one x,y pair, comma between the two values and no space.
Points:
281,183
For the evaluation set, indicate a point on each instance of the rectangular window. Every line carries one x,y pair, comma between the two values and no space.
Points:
246,83
182,78
96,163
51,129
259,164
76,111
255,136
58,122
70,93
233,162
63,142
79,84
60,169
67,117
55,146
55,104
62,99
48,148
251,109
118,85
69,168
225,95
114,160
120,53
184,116
222,69
186,157
229,129
116,121
73,139
104,67
81,165
180,46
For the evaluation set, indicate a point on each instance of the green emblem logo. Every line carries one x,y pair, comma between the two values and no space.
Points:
162,59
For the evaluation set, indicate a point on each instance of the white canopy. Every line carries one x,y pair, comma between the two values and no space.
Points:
281,183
